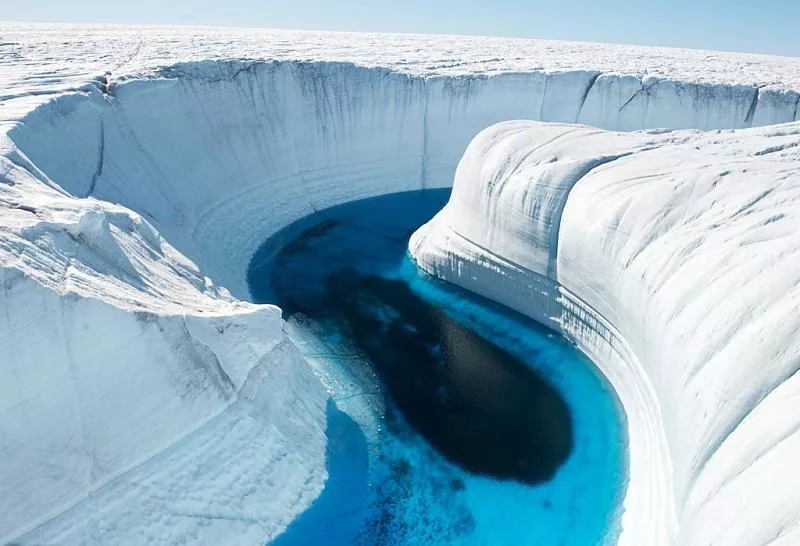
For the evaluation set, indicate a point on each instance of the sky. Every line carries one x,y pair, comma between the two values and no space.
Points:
759,26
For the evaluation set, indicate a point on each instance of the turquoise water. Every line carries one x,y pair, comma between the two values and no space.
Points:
452,420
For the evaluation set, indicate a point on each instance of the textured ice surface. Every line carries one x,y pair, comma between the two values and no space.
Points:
671,259
242,476
137,178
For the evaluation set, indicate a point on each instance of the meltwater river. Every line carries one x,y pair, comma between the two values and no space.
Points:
453,420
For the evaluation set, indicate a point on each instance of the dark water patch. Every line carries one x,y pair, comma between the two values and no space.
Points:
434,375
370,236
480,407
477,405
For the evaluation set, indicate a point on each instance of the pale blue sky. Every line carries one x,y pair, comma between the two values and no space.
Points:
767,26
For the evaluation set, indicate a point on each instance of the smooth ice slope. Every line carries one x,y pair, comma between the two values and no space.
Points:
672,259
141,167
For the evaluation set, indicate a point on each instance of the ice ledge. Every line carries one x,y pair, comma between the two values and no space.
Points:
201,149
113,348
649,250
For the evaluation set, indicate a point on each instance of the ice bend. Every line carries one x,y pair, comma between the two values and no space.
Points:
134,189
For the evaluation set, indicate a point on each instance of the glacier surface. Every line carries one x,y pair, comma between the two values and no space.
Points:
140,168
669,258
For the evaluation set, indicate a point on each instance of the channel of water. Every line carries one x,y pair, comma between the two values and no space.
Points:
452,420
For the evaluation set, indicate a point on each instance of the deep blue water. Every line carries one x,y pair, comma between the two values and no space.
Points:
453,420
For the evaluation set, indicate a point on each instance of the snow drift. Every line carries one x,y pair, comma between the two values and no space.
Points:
131,207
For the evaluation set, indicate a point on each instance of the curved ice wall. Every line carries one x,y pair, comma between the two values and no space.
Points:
212,157
671,259
218,155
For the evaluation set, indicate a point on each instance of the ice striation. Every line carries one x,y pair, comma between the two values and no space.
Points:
140,168
670,258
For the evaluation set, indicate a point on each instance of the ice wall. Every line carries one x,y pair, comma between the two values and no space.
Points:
219,155
671,259
113,347
138,202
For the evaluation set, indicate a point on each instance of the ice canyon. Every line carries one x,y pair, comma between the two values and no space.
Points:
640,202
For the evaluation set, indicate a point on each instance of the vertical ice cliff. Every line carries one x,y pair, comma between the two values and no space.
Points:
671,259
140,169
219,155
113,347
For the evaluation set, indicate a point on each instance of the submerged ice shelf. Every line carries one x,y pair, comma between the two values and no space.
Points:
141,168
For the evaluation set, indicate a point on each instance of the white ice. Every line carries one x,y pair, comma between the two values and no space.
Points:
671,259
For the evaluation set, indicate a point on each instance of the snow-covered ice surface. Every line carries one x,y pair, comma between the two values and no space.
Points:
140,168
672,259
614,86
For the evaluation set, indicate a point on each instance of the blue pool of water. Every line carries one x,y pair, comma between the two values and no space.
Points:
452,419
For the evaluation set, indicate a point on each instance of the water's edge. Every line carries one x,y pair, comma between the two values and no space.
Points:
484,505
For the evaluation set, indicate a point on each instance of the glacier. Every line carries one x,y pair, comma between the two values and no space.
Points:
141,168
669,258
